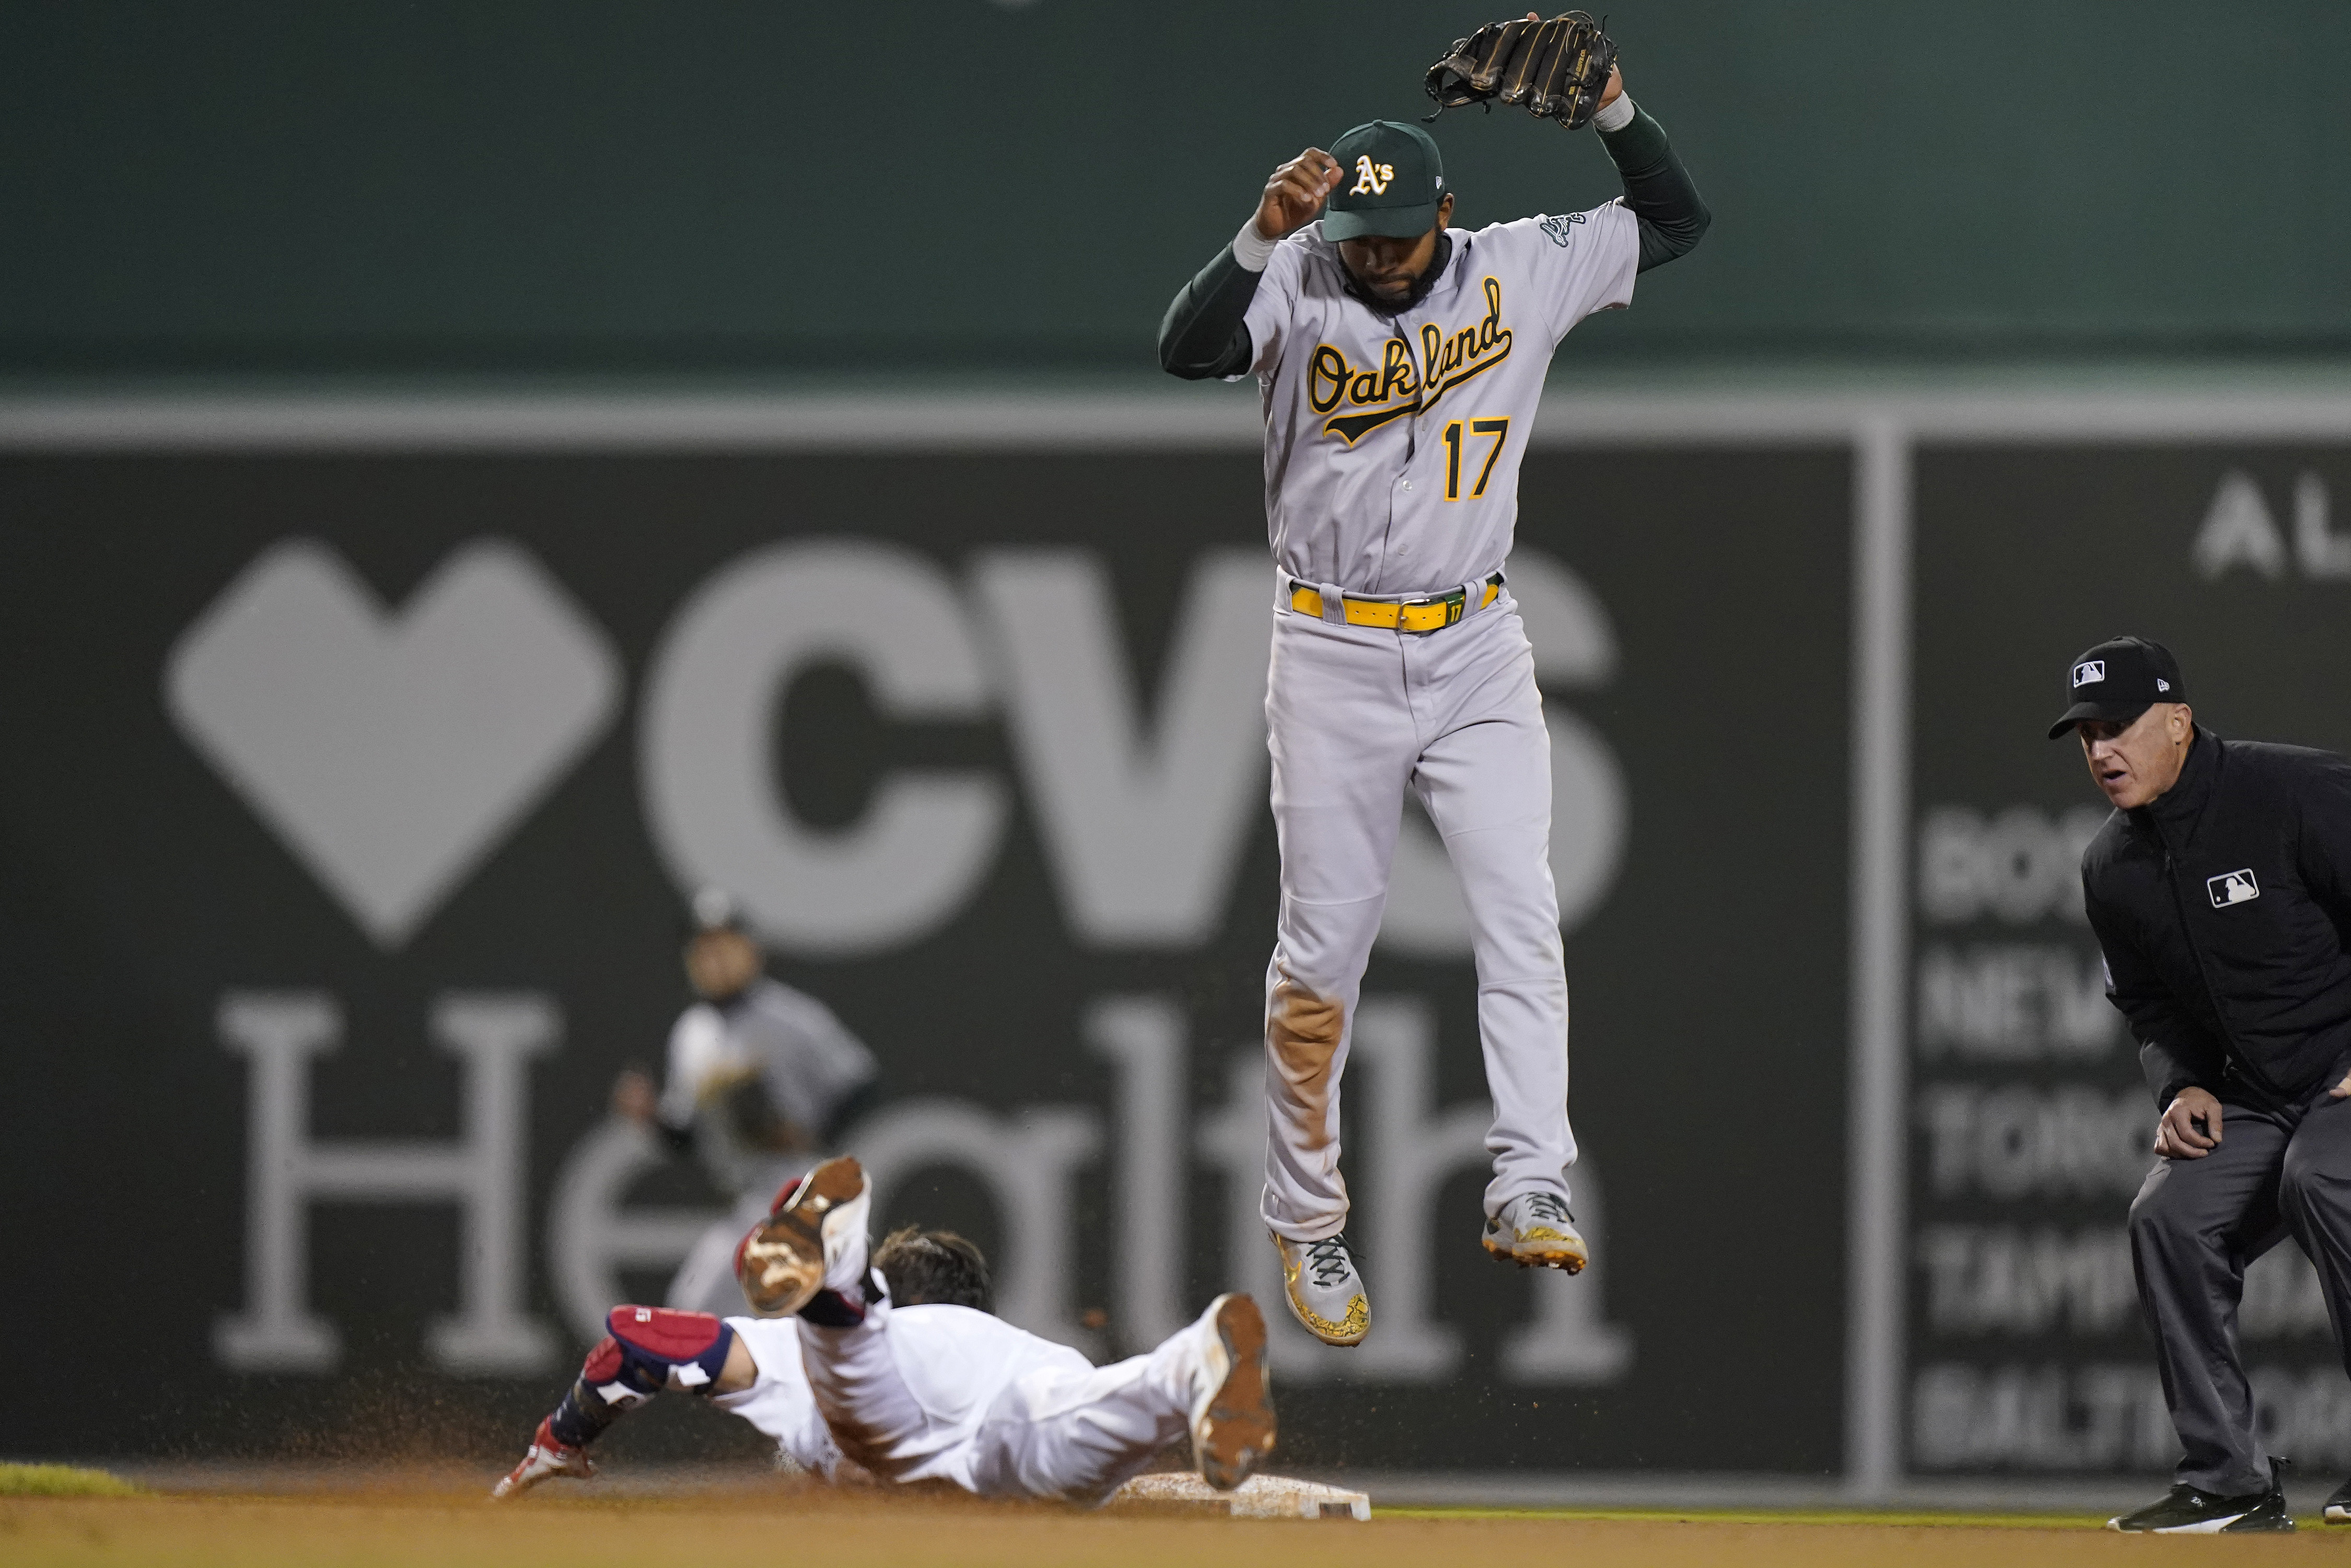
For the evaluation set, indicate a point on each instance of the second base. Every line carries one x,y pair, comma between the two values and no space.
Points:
1259,1496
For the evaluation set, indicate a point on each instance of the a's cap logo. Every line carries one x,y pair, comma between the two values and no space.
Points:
2089,669
1371,178
2233,887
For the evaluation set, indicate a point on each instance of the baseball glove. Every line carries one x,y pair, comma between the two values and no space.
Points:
1558,68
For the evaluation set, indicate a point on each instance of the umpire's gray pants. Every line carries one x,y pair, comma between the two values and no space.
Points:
2194,1227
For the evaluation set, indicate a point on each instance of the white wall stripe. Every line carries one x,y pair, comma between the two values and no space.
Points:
1876,1127
1206,419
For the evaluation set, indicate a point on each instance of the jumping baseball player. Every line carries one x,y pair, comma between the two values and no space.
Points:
1400,362
759,1084
892,1368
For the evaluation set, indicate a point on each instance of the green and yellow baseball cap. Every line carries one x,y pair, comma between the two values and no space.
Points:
1390,181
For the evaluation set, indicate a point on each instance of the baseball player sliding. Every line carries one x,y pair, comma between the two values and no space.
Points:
760,1376
1400,361
885,1364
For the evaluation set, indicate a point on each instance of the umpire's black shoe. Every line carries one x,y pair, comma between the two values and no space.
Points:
2184,1511
2339,1506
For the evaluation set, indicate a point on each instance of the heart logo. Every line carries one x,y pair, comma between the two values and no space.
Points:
391,751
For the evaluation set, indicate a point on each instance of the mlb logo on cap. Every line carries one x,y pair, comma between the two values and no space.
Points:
2128,673
2234,887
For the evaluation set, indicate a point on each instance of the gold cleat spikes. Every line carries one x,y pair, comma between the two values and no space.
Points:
1535,1230
1325,1292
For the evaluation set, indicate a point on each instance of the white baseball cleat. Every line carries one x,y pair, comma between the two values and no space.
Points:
818,1222
1535,1230
1232,1410
545,1459
1325,1292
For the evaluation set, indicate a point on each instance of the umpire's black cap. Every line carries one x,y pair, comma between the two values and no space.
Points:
2118,680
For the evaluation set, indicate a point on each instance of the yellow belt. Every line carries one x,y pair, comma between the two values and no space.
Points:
1418,615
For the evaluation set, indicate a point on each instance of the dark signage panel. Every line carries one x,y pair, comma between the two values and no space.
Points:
2031,1126
352,803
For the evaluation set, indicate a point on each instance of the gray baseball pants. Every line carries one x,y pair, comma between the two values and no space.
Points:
2194,1227
1355,716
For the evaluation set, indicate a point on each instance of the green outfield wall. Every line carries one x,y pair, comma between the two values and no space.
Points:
953,183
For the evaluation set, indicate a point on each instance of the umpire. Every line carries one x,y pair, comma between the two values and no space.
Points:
2221,891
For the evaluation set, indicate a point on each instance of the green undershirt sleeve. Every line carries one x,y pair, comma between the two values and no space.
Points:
1657,188
1206,330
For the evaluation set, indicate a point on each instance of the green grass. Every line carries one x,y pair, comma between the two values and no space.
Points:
1758,1516
61,1480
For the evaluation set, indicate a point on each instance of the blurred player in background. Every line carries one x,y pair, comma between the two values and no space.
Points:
892,1367
761,1081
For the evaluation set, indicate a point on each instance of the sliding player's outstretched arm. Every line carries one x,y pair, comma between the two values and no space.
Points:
646,1349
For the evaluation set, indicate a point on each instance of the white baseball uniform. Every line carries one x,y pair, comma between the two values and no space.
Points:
1392,451
948,1393
944,1393
778,1401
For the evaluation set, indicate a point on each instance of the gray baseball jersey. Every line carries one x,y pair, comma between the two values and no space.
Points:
758,1079
1392,445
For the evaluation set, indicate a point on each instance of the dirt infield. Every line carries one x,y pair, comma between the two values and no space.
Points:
460,1530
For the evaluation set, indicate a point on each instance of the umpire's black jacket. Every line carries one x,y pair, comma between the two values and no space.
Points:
2224,909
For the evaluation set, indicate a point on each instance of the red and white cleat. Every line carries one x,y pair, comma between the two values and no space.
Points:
545,1459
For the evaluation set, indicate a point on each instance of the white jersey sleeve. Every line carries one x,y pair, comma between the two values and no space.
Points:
1578,262
699,1051
780,1401
1276,301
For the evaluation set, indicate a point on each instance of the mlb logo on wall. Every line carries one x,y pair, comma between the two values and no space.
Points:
2233,887
2089,669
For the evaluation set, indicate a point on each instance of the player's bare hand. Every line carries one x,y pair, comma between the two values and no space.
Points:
2341,1091
633,1096
2191,1127
1294,197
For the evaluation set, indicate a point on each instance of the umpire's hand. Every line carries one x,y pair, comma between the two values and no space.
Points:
2191,1127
